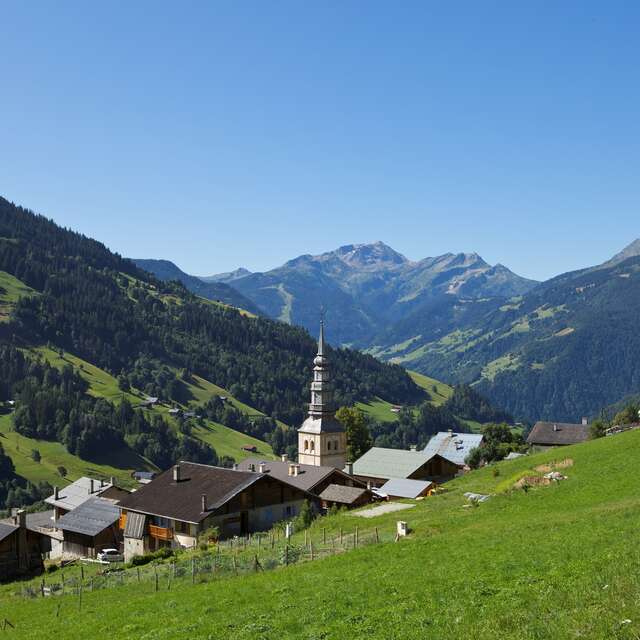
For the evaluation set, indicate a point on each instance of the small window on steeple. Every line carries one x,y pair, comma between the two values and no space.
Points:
313,446
306,445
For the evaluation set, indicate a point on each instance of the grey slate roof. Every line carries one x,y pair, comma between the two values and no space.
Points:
341,494
74,494
182,500
455,447
308,477
134,527
558,433
7,529
404,488
90,518
379,462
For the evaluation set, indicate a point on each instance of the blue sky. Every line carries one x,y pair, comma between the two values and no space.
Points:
232,134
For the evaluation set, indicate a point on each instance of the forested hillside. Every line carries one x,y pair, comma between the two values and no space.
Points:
80,298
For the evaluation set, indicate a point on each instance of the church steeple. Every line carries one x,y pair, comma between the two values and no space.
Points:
321,438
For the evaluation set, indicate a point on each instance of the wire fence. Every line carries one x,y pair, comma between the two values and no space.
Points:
234,557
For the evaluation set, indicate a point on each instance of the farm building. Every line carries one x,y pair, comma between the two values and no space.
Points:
68,498
453,446
545,435
21,548
402,488
343,496
182,502
379,465
90,528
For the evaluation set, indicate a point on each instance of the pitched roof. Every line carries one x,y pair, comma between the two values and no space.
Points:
74,494
379,462
343,495
455,447
404,488
90,518
308,476
7,529
183,500
558,433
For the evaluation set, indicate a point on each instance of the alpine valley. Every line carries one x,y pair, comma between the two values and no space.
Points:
560,349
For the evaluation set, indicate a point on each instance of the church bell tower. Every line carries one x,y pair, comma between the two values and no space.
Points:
322,440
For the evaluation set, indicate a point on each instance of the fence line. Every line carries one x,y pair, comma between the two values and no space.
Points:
233,557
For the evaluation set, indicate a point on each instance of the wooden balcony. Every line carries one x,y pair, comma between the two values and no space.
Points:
123,521
161,533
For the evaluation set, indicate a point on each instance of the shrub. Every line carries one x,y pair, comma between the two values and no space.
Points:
160,554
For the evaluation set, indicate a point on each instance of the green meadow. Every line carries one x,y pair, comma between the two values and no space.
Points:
551,562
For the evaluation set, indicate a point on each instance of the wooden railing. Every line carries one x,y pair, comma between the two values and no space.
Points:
162,533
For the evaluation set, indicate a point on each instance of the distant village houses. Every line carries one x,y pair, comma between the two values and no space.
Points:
545,435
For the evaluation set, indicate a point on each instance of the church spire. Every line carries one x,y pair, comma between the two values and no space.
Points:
321,339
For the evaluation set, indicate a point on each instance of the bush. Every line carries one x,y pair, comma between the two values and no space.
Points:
160,554
52,568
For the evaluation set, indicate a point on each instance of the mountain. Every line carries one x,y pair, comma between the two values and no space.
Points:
212,290
367,287
86,337
630,251
227,277
561,351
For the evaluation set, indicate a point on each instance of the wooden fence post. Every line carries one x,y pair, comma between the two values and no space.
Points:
193,570
311,550
324,535
138,572
286,554
377,536
155,569
340,535
355,538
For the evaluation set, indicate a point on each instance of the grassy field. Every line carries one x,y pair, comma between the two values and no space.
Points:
119,463
11,289
553,562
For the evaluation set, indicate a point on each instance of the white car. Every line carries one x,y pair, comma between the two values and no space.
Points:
110,555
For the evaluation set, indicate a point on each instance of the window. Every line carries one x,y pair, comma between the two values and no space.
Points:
313,446
182,527
306,445
328,445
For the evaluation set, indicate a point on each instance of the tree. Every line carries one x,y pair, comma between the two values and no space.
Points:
597,429
358,436
62,471
35,455
123,383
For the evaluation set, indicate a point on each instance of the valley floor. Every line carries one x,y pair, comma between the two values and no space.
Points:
554,562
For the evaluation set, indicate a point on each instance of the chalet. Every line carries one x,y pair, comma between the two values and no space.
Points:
454,447
308,477
380,464
68,498
402,488
21,549
90,528
545,435
344,496
182,502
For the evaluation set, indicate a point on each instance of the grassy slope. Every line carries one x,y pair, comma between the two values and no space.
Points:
11,289
555,562
120,463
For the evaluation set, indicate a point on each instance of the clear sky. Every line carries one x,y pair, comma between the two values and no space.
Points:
231,134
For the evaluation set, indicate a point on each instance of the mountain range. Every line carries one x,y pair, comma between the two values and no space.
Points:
556,350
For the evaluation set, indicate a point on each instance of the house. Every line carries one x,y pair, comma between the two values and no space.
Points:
343,496
182,502
379,464
545,435
250,448
453,446
21,549
90,528
403,488
308,477
68,498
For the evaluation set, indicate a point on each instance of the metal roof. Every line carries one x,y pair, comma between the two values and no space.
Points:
405,488
91,517
7,529
74,494
342,494
379,462
453,446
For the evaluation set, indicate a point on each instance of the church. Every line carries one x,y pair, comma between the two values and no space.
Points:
322,441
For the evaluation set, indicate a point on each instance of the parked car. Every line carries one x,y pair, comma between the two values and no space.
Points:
110,555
